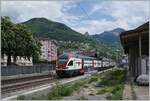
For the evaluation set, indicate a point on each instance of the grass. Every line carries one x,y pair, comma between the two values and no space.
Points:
60,91
116,93
93,79
86,86
83,98
113,82
113,78
101,91
57,92
38,97
104,90
21,97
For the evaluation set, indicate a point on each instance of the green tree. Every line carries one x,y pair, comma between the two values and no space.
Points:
7,38
17,40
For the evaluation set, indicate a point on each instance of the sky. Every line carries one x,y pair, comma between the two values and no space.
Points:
93,16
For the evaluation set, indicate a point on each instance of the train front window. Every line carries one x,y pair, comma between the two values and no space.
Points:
64,56
70,63
61,61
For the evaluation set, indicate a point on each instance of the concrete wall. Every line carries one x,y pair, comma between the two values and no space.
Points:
16,70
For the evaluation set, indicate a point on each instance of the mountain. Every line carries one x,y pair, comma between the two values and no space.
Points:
42,27
109,37
86,34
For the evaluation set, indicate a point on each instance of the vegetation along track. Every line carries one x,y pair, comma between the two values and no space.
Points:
27,83
15,85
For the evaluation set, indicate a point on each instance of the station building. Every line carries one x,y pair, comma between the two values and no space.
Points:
48,49
136,44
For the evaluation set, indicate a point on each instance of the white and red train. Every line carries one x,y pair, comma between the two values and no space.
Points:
74,64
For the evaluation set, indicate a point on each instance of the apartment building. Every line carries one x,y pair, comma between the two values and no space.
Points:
48,49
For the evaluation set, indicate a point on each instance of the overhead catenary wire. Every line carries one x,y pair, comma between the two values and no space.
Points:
86,14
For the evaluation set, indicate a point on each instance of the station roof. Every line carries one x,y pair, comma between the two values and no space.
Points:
137,30
131,37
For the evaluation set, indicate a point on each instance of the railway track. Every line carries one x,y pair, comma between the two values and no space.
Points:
11,86
15,85
23,79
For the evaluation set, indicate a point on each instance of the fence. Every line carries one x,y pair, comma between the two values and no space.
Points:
16,70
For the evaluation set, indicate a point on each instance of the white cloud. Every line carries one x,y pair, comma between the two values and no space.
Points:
125,14
96,26
25,10
132,12
20,11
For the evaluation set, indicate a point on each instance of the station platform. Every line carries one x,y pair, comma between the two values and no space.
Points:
141,92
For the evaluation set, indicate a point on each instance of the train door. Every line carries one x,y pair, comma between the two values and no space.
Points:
85,66
77,63
78,66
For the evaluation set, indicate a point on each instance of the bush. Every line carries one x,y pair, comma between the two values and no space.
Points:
116,88
113,82
113,78
60,91
92,79
77,85
66,91
101,91
105,89
116,93
57,92
86,86
21,97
